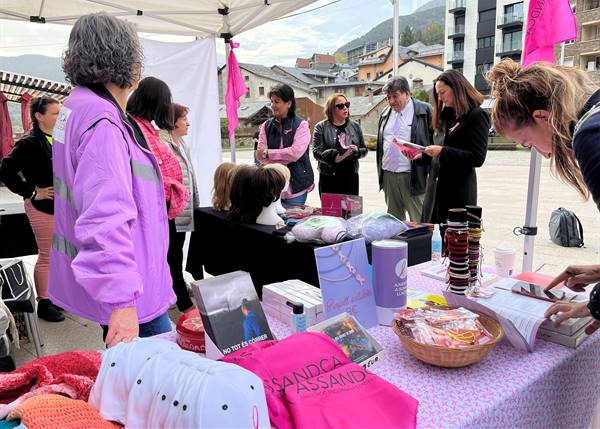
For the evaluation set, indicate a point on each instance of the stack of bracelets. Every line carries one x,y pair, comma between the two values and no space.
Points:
457,246
474,225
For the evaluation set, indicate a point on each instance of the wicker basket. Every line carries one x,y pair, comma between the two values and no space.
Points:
450,357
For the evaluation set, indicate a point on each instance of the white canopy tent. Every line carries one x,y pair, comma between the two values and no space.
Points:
206,18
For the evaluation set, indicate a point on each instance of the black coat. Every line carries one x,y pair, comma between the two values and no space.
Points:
28,165
420,134
326,148
452,181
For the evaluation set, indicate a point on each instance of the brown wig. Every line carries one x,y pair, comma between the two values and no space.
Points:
243,209
330,105
465,96
222,185
559,90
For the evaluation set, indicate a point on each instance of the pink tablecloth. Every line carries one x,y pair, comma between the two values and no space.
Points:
553,387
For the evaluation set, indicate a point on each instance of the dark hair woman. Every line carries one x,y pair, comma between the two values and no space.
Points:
338,144
460,138
285,139
151,102
31,159
108,261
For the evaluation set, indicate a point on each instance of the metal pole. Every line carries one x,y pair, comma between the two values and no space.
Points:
530,229
232,136
562,53
396,35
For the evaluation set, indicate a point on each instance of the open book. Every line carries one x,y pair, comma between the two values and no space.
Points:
520,316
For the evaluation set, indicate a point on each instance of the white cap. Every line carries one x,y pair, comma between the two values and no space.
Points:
120,366
183,390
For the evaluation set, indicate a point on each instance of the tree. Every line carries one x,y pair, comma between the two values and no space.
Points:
433,33
341,58
408,36
421,94
419,36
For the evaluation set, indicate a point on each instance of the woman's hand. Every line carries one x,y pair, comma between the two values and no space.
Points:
123,326
577,277
433,150
340,158
572,311
354,148
261,154
44,193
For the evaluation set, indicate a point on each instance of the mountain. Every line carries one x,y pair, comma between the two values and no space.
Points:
430,12
34,65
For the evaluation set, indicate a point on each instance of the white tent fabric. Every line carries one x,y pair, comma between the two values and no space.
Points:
189,70
183,17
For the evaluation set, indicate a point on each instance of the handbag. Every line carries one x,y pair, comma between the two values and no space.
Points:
14,282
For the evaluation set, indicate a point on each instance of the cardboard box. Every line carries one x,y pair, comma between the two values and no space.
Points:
276,295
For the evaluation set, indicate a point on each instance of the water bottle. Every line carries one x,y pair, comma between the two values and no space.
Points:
298,317
436,244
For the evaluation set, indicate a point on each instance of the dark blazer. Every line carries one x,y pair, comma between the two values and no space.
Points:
421,134
452,182
325,147
28,165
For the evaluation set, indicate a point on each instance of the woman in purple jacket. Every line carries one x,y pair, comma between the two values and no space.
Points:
109,250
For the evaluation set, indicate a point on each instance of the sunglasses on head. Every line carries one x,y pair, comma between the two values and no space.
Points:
342,105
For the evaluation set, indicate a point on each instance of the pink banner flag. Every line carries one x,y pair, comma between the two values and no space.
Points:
549,22
236,89
6,137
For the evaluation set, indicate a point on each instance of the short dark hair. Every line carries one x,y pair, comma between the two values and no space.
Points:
267,186
286,93
240,195
40,105
398,83
179,111
152,101
103,49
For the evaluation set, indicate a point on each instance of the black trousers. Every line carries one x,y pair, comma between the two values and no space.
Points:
175,261
343,182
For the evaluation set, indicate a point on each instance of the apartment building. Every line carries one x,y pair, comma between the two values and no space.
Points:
479,33
585,51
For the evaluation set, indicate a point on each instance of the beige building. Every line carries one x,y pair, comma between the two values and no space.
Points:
414,69
366,111
585,51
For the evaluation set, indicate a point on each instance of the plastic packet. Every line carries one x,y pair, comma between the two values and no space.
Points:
375,226
320,229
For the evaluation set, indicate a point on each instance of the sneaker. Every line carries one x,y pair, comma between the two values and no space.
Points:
48,312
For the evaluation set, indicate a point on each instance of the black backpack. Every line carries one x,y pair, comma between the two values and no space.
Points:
565,228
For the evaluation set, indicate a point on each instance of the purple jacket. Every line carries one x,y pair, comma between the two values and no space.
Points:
109,248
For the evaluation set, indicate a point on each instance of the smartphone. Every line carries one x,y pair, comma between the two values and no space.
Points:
536,291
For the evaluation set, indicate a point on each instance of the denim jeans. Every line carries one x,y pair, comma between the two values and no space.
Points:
296,201
160,325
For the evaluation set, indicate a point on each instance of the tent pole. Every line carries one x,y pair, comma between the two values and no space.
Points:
529,230
232,136
396,35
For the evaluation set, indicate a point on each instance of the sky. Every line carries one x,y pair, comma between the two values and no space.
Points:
278,42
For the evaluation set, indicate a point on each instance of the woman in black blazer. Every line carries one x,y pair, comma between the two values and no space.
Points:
459,146
338,144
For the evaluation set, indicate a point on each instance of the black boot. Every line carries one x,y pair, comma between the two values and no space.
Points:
48,312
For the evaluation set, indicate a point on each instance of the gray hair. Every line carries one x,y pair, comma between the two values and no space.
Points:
103,49
396,84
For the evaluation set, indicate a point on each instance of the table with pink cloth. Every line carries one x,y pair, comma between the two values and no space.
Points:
553,387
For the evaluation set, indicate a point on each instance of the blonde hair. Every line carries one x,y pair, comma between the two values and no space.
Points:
282,169
559,90
330,105
222,186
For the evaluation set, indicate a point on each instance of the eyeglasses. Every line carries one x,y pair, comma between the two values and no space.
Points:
342,105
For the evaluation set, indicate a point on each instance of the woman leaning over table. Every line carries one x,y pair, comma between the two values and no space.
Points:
556,110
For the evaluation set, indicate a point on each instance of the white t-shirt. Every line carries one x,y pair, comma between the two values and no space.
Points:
398,125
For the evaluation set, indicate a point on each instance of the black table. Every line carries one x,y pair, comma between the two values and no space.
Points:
220,248
16,236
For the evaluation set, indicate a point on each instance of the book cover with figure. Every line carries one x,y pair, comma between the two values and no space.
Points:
231,312
345,281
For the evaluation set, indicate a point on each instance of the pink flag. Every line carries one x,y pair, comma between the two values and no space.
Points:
236,88
549,22
6,138
25,118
